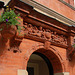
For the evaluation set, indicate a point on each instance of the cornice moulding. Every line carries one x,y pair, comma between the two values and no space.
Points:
49,12
5,1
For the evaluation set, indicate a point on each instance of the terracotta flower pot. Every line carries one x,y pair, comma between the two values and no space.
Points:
20,34
7,31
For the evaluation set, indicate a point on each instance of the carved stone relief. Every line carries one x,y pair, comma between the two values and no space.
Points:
71,50
47,34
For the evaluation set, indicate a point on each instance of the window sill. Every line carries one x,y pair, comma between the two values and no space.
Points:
67,4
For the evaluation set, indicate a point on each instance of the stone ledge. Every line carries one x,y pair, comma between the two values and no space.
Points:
62,73
22,72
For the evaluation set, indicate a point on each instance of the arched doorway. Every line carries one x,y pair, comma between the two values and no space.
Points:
39,64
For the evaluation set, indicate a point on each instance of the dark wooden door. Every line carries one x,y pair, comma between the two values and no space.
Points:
30,70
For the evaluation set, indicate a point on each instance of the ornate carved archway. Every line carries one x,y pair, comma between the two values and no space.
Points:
52,54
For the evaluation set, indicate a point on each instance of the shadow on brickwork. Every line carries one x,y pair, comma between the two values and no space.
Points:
2,45
72,62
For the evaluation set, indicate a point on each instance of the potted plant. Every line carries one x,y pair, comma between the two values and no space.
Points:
73,45
20,32
9,23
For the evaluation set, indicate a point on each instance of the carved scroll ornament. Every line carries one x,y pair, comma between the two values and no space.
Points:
47,34
70,53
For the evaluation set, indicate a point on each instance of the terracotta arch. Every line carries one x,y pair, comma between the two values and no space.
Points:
53,56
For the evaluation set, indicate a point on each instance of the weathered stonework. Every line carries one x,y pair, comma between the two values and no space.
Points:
42,34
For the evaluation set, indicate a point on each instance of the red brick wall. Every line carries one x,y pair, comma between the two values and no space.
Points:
10,62
59,7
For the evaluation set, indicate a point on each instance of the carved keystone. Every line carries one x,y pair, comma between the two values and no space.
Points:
47,44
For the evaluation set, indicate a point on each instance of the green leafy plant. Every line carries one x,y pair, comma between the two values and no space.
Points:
73,45
10,18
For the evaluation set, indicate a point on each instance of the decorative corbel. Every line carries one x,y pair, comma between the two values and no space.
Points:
70,49
14,45
70,52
